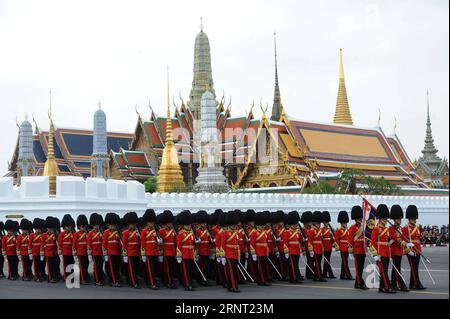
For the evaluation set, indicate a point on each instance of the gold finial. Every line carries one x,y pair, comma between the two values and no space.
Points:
342,114
341,65
50,106
169,137
51,167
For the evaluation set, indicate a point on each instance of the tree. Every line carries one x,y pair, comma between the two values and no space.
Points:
321,187
348,180
379,186
150,185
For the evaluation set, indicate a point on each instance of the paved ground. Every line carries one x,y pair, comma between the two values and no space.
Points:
281,290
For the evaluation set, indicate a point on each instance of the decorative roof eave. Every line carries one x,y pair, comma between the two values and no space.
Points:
137,130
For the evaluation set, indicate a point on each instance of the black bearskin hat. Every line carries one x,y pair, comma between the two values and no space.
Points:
67,220
184,218
9,225
343,217
26,224
292,218
150,216
412,212
396,212
82,220
202,217
357,212
306,217
382,211
317,217
112,219
131,218
326,218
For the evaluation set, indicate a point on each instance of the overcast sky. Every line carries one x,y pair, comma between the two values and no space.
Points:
117,51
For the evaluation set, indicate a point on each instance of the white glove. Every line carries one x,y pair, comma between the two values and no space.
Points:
286,256
75,258
254,257
90,258
277,240
334,249
224,261
160,259
411,253
277,254
376,258
311,254
106,258
213,240
246,255
159,241
42,258
144,259
125,259
197,241
350,257
219,260
179,260
197,257
31,257
410,245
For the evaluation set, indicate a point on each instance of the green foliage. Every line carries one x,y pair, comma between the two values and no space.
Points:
380,186
179,189
347,182
150,185
321,187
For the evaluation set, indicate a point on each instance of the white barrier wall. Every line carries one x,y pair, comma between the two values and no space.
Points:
75,196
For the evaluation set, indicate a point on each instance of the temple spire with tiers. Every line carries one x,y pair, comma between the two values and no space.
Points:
429,151
277,108
170,177
342,114
202,72
51,167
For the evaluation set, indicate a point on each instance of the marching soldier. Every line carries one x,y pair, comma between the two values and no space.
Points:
249,227
185,249
306,220
9,243
315,239
35,249
259,249
356,235
380,248
65,242
204,242
49,251
80,250
150,242
2,258
168,236
217,231
230,245
398,248
23,241
270,245
412,233
112,248
279,229
292,243
341,238
328,245
95,251
131,250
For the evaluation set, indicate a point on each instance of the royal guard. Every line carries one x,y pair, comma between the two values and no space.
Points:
412,233
259,249
34,249
380,247
231,247
291,238
131,250
65,242
185,249
49,250
271,245
204,242
9,245
279,229
306,220
80,248
219,253
243,244
112,248
150,242
341,239
248,227
398,248
357,247
2,258
23,242
328,245
95,250
315,239
168,236
211,224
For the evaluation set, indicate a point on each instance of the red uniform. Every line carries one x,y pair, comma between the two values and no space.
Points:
380,240
258,243
242,241
328,239
9,243
356,239
149,242
111,243
22,244
131,240
34,245
270,241
292,240
185,244
65,243
48,245
341,237
169,241
79,243
315,239
230,244
397,245
281,242
412,233
94,242
204,245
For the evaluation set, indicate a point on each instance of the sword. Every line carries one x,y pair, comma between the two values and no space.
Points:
200,271
374,267
398,272
429,274
245,270
240,270
328,262
278,273
306,263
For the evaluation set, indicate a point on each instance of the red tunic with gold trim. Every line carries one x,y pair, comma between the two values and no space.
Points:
412,233
315,239
271,244
380,240
397,244
204,247
341,238
169,241
279,231
356,239
65,242
258,243
23,241
79,243
292,240
327,238
9,243
185,244
34,246
131,240
48,245
111,243
230,244
94,242
149,242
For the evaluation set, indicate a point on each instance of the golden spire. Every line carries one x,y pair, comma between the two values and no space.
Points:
342,115
51,167
170,177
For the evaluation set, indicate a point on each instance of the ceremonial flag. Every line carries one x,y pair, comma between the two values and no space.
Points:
369,218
